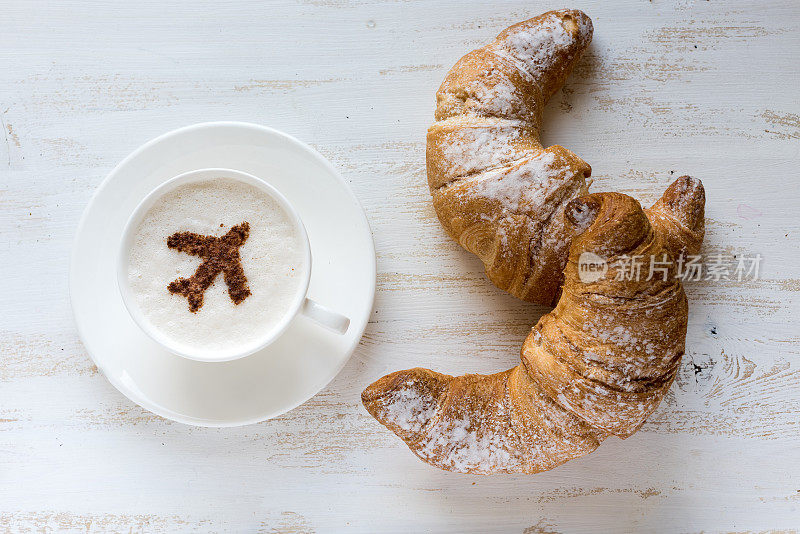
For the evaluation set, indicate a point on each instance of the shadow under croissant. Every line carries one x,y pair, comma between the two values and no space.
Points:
595,366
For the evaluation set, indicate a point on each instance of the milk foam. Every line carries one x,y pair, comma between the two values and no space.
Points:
272,259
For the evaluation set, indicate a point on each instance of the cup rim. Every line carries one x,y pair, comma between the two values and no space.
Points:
123,256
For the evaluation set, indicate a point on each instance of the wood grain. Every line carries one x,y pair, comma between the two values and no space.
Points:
667,88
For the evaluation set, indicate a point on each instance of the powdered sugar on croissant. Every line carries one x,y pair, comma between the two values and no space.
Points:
597,365
495,188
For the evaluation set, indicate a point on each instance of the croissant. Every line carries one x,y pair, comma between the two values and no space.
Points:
496,189
596,365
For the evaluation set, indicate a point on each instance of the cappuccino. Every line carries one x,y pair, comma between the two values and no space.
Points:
215,264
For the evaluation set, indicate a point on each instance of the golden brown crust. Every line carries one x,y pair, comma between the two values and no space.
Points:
602,360
680,212
597,365
496,189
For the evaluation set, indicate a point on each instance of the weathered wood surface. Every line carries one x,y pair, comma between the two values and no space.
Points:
704,88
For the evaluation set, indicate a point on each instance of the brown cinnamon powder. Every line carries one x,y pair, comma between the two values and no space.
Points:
219,254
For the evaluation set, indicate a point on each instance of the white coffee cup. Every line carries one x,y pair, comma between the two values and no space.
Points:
300,304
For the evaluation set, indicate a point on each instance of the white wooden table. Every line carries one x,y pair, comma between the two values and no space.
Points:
691,87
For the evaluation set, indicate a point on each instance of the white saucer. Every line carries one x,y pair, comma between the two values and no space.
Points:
294,367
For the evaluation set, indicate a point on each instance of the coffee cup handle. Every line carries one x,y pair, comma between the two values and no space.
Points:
325,316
